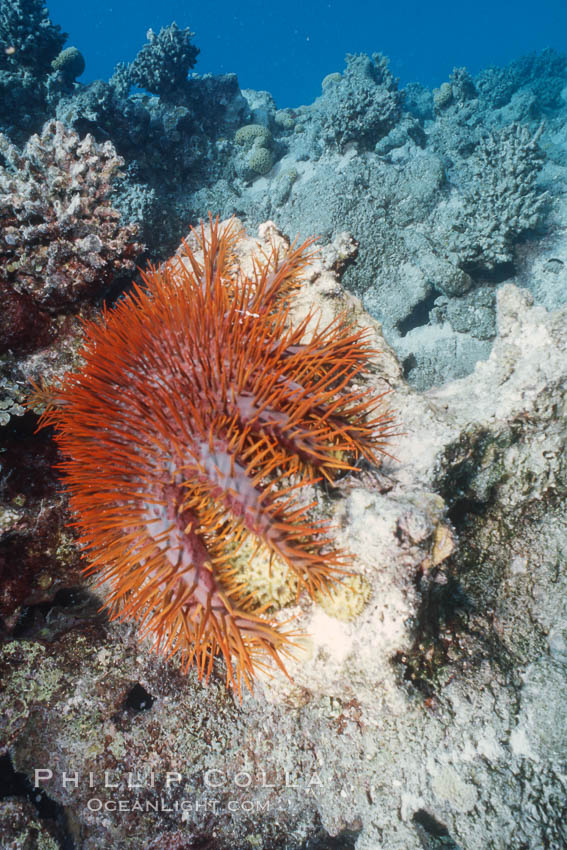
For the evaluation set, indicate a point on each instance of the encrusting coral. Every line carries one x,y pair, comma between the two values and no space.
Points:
197,421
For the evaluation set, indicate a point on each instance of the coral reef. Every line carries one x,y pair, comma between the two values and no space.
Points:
61,239
70,63
163,63
29,43
33,40
198,403
260,160
363,105
427,690
38,557
12,397
455,93
434,713
542,74
257,158
20,825
167,145
254,163
502,202
253,134
397,168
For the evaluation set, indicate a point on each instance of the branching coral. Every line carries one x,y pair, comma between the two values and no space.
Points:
363,105
27,35
502,201
60,238
162,64
195,426
543,74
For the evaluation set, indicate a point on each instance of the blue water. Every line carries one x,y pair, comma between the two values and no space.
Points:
288,48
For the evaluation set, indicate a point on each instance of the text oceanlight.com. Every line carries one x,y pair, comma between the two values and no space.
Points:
96,804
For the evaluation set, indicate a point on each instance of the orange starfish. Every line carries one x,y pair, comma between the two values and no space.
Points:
196,419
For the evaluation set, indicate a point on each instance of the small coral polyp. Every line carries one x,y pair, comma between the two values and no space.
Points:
196,422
